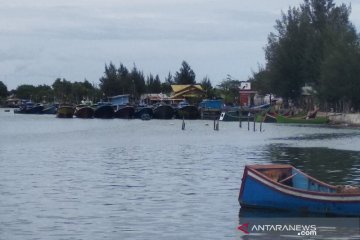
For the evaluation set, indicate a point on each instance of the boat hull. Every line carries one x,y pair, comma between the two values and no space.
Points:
164,112
84,112
30,110
144,113
188,112
301,120
267,118
258,192
233,116
50,110
125,112
65,112
104,111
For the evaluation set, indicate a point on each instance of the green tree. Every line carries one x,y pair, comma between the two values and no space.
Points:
229,89
207,87
153,84
260,81
339,80
138,85
110,83
166,86
43,93
81,91
3,90
185,75
296,51
25,91
62,90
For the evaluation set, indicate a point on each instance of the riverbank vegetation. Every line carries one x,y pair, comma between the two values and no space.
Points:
313,45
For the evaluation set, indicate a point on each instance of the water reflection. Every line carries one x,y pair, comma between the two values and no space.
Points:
320,136
329,165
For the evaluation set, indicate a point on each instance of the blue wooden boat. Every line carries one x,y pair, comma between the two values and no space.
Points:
283,187
28,107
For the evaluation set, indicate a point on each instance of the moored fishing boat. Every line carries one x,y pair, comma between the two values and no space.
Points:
301,119
267,117
84,111
29,108
65,111
51,109
235,115
187,111
143,112
164,112
125,111
104,110
283,187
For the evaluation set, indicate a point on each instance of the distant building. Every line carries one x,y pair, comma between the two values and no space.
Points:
13,102
193,93
246,95
155,98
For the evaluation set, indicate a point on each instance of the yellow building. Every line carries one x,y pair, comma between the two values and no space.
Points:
191,93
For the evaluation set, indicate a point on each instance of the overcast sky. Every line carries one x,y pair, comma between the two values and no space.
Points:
45,39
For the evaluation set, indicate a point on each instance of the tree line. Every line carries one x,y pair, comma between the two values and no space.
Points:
313,45
115,81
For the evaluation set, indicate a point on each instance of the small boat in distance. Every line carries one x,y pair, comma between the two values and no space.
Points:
65,111
28,107
283,187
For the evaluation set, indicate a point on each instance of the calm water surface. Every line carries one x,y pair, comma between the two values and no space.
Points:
133,179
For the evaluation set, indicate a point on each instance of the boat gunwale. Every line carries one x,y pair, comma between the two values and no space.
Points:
300,119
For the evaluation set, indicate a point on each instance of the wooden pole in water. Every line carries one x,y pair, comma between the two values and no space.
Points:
239,117
183,124
216,124
254,122
249,121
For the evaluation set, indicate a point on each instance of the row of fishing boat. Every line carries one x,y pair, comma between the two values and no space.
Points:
106,110
183,110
